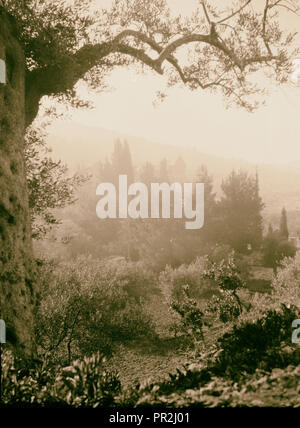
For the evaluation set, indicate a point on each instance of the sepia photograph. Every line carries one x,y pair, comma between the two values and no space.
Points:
149,207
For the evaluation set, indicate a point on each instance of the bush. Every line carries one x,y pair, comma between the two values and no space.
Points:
262,344
225,307
172,282
227,276
255,364
224,253
285,289
286,285
87,306
279,388
275,249
83,384
186,286
191,316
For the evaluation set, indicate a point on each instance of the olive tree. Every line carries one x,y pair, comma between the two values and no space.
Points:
49,45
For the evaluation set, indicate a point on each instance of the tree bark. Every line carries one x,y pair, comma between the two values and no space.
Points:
17,289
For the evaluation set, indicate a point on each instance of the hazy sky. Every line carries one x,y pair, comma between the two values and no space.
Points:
200,119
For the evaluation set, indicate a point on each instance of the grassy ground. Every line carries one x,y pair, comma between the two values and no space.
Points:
146,359
136,365
151,359
154,359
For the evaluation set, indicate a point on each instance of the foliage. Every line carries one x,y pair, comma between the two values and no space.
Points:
86,384
242,262
260,344
283,228
278,388
86,306
191,315
24,386
225,307
284,291
240,212
49,31
83,383
286,285
228,278
225,274
182,288
48,185
186,286
255,364
275,249
173,281
232,45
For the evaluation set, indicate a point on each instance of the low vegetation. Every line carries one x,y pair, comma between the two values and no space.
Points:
242,355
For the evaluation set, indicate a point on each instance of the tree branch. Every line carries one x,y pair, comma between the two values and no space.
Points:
61,77
265,15
290,8
234,13
205,12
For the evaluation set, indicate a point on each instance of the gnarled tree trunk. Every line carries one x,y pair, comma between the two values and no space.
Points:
17,291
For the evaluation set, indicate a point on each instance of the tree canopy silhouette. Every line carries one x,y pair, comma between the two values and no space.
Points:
67,41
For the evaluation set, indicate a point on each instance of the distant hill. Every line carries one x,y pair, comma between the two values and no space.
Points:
82,146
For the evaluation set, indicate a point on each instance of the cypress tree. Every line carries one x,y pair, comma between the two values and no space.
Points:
284,232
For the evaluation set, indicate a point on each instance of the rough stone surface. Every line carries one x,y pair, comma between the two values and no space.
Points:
17,291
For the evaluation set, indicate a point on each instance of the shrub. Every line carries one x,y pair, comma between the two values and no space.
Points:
227,276
191,316
224,253
255,364
286,285
85,383
225,307
275,249
279,388
183,289
285,289
87,306
263,344
185,286
20,386
172,282
82,384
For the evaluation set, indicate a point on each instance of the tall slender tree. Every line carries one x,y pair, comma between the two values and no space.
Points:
283,229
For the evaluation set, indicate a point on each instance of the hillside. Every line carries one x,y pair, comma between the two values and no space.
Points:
81,147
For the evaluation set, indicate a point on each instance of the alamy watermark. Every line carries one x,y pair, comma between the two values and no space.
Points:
296,332
185,201
2,71
2,332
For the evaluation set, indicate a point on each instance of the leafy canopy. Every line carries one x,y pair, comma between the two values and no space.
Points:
217,47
